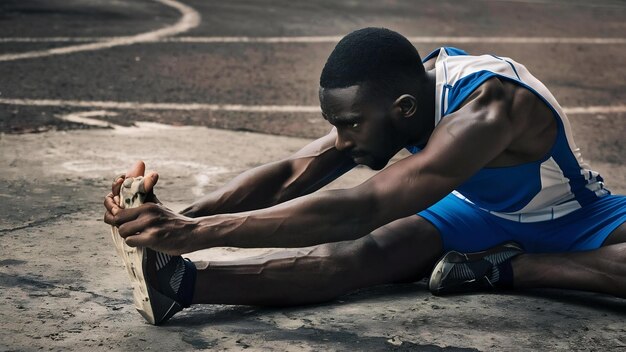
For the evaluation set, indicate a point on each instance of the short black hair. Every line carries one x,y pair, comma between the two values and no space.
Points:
376,55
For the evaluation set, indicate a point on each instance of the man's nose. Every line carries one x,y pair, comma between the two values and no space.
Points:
342,143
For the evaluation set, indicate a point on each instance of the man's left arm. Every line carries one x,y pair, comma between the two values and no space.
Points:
461,145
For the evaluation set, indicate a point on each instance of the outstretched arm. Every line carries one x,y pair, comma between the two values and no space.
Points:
461,145
306,171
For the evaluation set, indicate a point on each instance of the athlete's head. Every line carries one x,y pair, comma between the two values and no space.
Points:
369,88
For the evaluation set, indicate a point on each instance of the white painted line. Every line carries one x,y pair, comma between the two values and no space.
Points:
433,40
235,107
520,40
160,106
54,39
564,3
327,39
190,19
85,118
615,109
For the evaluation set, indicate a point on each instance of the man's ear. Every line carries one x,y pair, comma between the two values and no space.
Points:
405,105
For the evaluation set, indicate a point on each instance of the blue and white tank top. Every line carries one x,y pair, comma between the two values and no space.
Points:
546,189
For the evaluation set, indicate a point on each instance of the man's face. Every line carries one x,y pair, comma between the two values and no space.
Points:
364,125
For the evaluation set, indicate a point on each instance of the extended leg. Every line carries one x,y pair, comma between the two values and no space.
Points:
601,270
405,249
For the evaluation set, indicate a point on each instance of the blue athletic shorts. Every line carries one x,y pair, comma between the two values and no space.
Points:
466,228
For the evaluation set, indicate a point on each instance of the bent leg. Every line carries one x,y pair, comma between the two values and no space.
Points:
601,270
402,250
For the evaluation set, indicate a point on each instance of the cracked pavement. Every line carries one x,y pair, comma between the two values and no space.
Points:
62,286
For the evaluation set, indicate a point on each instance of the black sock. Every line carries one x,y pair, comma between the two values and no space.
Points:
187,284
502,269
506,275
176,277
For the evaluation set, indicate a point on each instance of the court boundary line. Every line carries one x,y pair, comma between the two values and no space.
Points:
116,105
309,39
190,18
544,2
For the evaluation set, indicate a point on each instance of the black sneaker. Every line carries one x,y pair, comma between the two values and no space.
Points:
162,276
156,277
459,272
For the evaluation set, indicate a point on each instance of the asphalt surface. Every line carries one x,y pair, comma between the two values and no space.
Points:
283,73
62,286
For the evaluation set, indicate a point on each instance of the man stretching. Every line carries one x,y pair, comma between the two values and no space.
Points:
494,171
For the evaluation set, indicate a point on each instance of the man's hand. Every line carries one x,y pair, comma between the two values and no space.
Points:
150,181
151,225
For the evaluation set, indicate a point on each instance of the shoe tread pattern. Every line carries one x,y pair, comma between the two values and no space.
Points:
132,195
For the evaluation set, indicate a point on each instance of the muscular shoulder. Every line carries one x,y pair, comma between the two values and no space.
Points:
516,103
489,101
491,92
482,116
505,107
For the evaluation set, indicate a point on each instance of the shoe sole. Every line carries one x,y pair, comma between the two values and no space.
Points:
135,260
447,262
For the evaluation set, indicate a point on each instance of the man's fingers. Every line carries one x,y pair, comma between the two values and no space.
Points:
132,227
118,215
117,184
137,170
122,176
149,181
109,218
142,239
111,205
125,215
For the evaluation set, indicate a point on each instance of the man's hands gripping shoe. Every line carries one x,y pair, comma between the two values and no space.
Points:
148,224
162,284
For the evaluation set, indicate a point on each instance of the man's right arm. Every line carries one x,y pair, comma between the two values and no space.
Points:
306,171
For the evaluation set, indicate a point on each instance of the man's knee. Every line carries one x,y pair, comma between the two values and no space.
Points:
429,234
403,251
414,236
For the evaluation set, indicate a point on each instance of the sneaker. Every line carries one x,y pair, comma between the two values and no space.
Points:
459,272
155,277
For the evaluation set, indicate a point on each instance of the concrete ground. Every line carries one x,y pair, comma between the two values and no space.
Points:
63,288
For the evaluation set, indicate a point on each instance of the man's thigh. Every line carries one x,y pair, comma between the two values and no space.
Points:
465,228
617,236
588,228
